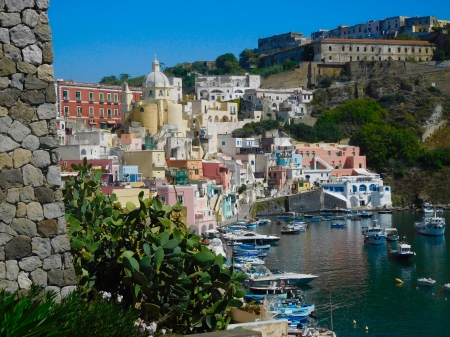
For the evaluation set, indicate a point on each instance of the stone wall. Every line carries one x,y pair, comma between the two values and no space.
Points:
34,247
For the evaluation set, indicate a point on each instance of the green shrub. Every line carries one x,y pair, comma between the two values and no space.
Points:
148,256
435,91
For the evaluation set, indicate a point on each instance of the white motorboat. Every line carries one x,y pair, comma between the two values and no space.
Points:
265,276
251,237
374,235
446,287
432,225
423,281
250,260
427,208
391,234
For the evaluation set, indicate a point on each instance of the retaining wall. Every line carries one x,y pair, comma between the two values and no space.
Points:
34,247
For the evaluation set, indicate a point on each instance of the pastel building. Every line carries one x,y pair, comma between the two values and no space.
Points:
232,146
152,163
199,216
224,87
366,189
192,167
277,177
217,171
129,142
109,167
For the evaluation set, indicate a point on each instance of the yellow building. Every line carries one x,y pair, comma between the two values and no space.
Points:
156,108
151,163
300,185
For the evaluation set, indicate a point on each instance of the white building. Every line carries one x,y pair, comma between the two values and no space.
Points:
233,146
90,143
225,87
366,189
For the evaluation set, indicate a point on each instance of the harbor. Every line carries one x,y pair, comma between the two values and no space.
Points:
357,290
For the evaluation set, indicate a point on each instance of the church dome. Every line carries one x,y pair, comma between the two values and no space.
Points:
156,78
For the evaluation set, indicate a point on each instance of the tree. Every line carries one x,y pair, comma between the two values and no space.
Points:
112,79
301,132
246,56
289,64
228,64
329,132
242,189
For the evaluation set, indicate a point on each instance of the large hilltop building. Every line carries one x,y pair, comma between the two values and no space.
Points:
225,87
276,43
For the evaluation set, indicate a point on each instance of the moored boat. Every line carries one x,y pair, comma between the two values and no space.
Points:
403,252
432,225
338,225
423,281
374,235
391,234
446,287
251,237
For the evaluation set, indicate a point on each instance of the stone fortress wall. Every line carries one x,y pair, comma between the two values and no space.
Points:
34,246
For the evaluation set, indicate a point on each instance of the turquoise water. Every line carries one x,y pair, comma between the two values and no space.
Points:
361,278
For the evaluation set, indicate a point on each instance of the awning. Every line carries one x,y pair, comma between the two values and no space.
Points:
363,172
111,122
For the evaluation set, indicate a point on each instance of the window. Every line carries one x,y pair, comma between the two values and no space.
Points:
116,98
406,50
399,49
78,95
102,97
163,199
91,111
329,57
357,48
329,48
180,198
116,112
350,48
249,143
102,113
109,113
373,49
343,48
389,50
66,95
66,111
253,162
91,96
79,111
365,48
108,97
223,143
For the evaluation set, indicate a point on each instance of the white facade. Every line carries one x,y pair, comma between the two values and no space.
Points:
80,151
177,92
224,87
232,146
363,190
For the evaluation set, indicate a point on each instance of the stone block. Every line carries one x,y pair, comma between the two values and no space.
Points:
6,229
39,128
11,178
70,278
32,176
68,261
7,211
8,97
3,112
39,277
67,290
4,37
34,97
2,270
9,19
22,112
10,286
5,161
61,244
18,5
52,262
4,83
18,247
30,263
42,32
56,291
32,54
54,210
45,73
30,18
2,253
5,238
24,227
27,194
47,53
49,142
17,81
5,124
7,144
26,68
21,211
2,196
46,111
42,4
21,157
62,225
14,54
48,228
41,159
7,67
52,127
34,211
12,270
17,131
50,94
23,280
44,195
32,82
13,195
54,175
22,36
41,247
31,143
55,156
56,277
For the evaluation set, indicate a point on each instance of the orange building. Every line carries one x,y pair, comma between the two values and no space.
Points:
194,167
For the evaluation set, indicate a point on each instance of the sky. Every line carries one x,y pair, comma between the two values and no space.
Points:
97,38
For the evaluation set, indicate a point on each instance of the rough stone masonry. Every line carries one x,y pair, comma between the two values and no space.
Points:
34,246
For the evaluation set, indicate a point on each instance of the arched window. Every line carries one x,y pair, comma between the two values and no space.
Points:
354,189
362,188
83,152
372,187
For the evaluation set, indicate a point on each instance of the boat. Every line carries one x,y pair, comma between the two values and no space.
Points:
263,276
446,287
387,211
423,281
237,227
271,289
263,222
251,225
293,228
315,219
391,234
254,261
403,252
427,208
250,253
374,235
364,214
307,215
432,225
260,298
338,225
290,231
251,237
253,246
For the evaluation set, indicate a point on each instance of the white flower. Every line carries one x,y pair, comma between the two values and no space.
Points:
119,298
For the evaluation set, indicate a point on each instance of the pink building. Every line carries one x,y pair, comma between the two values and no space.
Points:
130,142
341,159
216,170
198,215
277,177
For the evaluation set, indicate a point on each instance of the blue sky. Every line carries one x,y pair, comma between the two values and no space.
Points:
96,38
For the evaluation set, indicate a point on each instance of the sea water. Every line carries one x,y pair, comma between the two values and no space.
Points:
357,281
